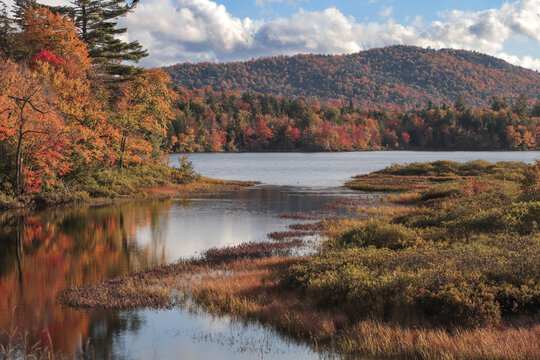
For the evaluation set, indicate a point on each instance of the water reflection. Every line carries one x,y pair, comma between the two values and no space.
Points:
45,251
179,334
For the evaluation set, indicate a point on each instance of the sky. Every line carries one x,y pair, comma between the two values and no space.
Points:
230,30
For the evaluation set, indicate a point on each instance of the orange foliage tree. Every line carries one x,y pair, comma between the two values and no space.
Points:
30,123
143,113
42,29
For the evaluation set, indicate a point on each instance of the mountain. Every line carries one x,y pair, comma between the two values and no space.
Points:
392,77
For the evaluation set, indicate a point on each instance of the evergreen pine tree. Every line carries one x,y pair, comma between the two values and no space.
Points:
19,8
521,106
536,109
96,21
7,44
498,104
460,104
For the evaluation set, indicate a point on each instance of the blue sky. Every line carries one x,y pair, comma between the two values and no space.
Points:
360,9
231,30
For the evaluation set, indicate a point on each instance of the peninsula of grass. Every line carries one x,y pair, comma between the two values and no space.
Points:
106,186
456,274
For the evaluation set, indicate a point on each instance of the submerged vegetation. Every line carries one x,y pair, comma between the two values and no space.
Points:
455,273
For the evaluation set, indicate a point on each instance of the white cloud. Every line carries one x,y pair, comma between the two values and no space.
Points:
263,3
526,61
190,29
9,3
202,30
195,30
386,11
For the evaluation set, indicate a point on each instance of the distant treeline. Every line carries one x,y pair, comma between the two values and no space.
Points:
229,121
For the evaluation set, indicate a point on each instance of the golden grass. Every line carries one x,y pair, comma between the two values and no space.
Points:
200,186
252,291
390,183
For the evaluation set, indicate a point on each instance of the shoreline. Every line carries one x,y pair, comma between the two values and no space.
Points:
436,150
203,185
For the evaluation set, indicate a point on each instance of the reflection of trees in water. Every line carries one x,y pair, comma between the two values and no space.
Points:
42,252
105,330
11,246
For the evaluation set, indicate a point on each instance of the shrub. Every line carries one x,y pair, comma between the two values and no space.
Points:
379,234
467,259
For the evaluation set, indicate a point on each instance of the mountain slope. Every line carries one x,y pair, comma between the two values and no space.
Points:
395,76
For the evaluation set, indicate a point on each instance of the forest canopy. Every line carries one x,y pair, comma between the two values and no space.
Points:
394,77
68,120
230,121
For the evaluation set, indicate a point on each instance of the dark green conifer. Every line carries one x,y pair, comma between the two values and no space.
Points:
536,109
19,8
7,29
498,104
460,104
97,22
521,106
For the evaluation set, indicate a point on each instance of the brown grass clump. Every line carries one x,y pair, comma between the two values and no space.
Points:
316,226
390,183
145,289
348,203
253,291
299,216
282,235
249,251
163,286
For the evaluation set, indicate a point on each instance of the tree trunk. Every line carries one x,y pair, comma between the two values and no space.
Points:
123,150
19,247
84,24
18,164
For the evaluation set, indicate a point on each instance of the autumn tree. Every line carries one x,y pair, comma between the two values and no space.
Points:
44,29
143,113
29,122
63,65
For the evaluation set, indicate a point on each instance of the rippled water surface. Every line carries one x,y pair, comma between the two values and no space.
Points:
42,252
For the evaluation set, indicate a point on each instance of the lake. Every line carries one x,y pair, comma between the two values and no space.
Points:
42,252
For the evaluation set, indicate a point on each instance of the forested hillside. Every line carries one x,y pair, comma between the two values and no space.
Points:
228,121
395,77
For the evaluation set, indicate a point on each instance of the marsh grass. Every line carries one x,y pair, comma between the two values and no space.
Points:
253,291
16,344
292,234
455,274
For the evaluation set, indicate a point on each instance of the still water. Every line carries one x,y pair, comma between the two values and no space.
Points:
42,252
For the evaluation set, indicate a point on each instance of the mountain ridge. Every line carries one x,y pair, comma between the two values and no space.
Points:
392,77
